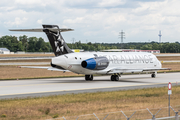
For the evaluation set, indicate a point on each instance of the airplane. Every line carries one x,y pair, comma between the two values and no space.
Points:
91,63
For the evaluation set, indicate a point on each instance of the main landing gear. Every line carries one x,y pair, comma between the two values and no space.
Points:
88,77
153,75
114,77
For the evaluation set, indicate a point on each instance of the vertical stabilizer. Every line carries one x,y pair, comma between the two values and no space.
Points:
56,40
53,33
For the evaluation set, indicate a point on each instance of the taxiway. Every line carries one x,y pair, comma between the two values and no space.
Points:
56,86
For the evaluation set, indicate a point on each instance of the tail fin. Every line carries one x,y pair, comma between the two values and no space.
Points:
56,40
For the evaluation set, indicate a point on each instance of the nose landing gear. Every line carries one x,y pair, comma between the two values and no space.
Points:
153,75
88,77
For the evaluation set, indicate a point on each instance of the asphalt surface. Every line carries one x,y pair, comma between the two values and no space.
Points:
56,86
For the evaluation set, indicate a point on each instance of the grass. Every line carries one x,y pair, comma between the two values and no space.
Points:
13,72
174,66
88,103
168,58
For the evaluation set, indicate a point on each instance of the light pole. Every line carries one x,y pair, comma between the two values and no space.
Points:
2,44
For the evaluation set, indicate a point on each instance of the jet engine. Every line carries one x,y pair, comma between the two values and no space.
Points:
56,66
97,63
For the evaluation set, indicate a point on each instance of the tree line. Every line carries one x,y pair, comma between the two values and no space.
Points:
25,43
34,44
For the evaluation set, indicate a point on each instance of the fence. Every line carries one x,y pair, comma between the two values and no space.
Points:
148,114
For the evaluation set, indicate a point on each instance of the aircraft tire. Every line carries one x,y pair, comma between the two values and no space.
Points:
88,77
114,78
153,75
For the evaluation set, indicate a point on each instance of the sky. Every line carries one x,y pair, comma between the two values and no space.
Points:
96,21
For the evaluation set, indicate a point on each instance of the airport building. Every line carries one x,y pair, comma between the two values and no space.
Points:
131,50
4,51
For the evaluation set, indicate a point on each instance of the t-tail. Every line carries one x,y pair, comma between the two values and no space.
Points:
56,40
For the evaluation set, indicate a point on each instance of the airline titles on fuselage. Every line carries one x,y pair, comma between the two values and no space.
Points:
129,59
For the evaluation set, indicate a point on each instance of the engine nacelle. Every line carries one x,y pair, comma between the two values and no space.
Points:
97,63
56,66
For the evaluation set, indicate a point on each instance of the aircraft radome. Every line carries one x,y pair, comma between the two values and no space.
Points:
90,63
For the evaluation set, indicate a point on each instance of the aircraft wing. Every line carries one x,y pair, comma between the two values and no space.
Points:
118,70
155,69
42,67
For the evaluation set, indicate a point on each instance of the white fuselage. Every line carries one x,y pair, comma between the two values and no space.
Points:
127,61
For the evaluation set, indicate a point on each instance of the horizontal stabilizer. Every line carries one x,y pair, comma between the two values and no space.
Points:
42,30
56,40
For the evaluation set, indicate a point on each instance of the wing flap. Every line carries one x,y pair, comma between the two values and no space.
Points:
117,70
155,69
39,67
42,67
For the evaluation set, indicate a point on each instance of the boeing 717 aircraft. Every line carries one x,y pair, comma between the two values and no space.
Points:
90,63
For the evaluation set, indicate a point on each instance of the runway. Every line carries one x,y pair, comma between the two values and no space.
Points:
56,86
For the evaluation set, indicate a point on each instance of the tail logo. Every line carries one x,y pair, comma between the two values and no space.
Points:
59,42
56,40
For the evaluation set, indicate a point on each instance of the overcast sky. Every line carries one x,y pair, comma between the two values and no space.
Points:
95,20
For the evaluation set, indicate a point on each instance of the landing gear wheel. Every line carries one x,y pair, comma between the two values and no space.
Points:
153,75
88,77
114,78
